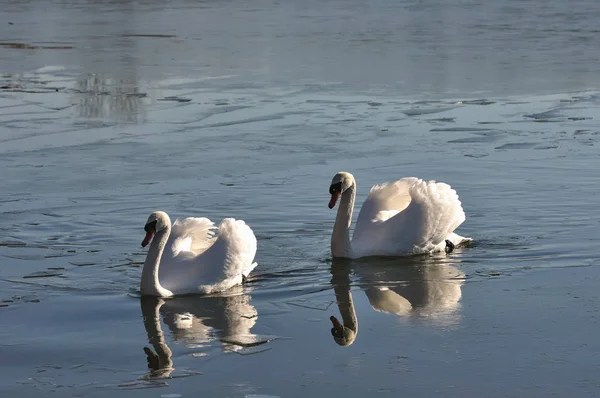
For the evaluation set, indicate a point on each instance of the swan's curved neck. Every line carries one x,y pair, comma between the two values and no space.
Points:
150,285
340,239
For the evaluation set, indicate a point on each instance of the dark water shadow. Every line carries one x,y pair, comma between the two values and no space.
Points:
426,287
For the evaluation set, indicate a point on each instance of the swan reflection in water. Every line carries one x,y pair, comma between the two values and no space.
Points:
428,287
196,322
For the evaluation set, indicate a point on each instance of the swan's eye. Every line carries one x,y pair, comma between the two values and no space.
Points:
150,227
335,188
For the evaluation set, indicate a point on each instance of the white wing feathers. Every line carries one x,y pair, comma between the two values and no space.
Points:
193,234
408,215
385,200
439,210
235,248
199,262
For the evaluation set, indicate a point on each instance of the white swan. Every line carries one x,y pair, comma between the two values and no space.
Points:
186,258
408,216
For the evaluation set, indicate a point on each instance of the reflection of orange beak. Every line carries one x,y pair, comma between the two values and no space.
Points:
148,238
334,198
152,359
336,324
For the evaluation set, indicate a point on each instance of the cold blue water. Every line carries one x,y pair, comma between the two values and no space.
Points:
216,109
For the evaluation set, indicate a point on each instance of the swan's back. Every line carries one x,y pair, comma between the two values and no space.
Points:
407,216
235,248
220,263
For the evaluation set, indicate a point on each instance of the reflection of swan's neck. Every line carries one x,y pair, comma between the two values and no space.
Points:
346,307
340,238
151,314
150,285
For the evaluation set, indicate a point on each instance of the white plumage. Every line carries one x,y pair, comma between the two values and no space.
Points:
407,216
196,260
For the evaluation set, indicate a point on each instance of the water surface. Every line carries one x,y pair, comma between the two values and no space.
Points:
216,109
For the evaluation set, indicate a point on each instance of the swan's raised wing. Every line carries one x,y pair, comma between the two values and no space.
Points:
434,211
219,267
233,252
384,201
195,234
188,237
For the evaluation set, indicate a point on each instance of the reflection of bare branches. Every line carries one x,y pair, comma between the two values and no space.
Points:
100,96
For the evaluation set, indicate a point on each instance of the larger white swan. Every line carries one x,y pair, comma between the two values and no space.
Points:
186,258
408,216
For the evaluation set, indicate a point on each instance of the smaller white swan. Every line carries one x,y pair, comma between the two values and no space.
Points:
186,258
408,216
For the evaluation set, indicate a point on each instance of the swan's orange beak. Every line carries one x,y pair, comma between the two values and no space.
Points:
148,238
333,200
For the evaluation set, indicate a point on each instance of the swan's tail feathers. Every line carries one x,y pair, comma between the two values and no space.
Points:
441,211
194,234
459,241
240,244
249,269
